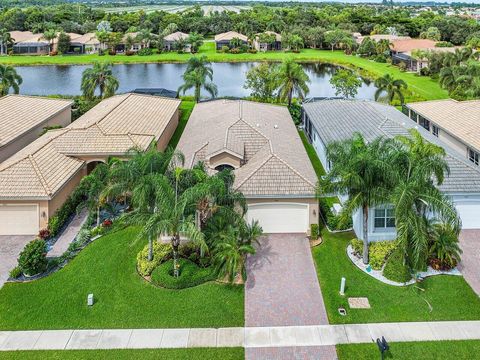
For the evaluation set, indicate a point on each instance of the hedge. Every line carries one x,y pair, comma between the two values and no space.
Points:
330,218
190,275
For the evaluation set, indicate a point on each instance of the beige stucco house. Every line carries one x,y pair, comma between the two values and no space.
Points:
260,143
36,181
23,118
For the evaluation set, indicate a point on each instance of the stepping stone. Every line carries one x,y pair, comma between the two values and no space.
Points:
358,303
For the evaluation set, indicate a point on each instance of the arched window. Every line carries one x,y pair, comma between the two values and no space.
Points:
222,167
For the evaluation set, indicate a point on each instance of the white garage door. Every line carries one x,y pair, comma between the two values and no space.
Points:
18,219
470,214
280,217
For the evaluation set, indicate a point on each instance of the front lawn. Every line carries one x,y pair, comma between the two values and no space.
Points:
106,268
170,354
425,350
451,297
423,86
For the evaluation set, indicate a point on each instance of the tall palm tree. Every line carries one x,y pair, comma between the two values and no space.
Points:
6,40
362,171
392,87
195,40
50,36
292,78
419,168
9,79
199,71
99,76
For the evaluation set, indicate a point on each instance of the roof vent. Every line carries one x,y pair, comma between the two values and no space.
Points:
275,126
258,125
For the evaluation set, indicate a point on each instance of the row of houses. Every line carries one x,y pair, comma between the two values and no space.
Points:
28,43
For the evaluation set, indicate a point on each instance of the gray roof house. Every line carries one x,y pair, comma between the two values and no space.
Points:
338,119
260,143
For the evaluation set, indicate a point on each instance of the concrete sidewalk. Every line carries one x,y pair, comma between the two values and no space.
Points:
259,337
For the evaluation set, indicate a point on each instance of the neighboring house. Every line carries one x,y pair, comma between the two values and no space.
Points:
336,120
28,43
86,43
157,92
262,46
224,39
38,179
456,123
170,41
260,143
22,119
359,38
135,47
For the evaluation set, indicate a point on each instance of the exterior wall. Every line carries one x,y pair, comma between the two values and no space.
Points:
167,134
313,210
225,158
63,118
220,44
373,234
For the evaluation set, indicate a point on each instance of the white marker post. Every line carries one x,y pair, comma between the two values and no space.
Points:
342,286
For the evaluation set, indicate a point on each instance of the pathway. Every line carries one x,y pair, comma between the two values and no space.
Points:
281,342
282,290
10,248
470,244
68,235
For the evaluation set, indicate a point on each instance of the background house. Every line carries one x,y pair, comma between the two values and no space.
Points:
28,43
337,119
224,39
260,143
170,41
37,180
263,46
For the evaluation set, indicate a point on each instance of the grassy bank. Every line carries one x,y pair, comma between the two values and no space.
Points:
106,268
424,87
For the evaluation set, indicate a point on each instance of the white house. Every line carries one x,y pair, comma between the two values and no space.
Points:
337,119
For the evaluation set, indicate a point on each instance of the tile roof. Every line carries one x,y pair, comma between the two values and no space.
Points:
25,36
111,128
275,163
408,45
228,36
176,36
378,37
336,120
459,118
20,114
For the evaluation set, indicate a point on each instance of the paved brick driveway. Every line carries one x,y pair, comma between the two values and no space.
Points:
282,290
470,244
10,247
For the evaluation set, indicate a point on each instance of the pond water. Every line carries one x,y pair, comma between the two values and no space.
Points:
229,78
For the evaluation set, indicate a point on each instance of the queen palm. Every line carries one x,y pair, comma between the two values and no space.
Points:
50,35
195,40
391,87
6,40
9,79
198,72
292,78
99,76
361,171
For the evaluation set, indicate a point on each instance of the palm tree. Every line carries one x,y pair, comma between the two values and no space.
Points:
129,42
6,40
447,78
196,76
445,245
387,84
9,79
360,170
292,78
99,76
419,168
50,35
195,40
145,36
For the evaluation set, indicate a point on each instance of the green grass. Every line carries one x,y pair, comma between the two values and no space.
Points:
106,268
450,296
186,108
426,350
166,354
312,154
423,87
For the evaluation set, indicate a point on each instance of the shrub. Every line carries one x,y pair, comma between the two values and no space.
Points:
107,223
331,219
442,44
379,251
145,52
15,272
129,53
235,51
225,49
53,53
83,236
252,51
296,112
357,246
190,275
402,66
33,258
44,234
112,52
380,58
314,231
54,225
395,269
161,252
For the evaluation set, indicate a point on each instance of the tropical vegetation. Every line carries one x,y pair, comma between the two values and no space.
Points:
100,77
197,75
9,80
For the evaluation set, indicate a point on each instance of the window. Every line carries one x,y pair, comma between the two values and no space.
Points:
424,122
435,130
384,218
473,156
413,115
405,110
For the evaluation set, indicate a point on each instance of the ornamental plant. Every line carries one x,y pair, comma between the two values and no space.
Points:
33,258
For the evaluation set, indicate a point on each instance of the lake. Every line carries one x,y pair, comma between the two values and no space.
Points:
229,78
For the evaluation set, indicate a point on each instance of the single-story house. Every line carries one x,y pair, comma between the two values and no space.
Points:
38,179
157,92
86,43
28,43
23,118
456,123
377,37
326,121
263,46
135,46
170,41
260,143
224,39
